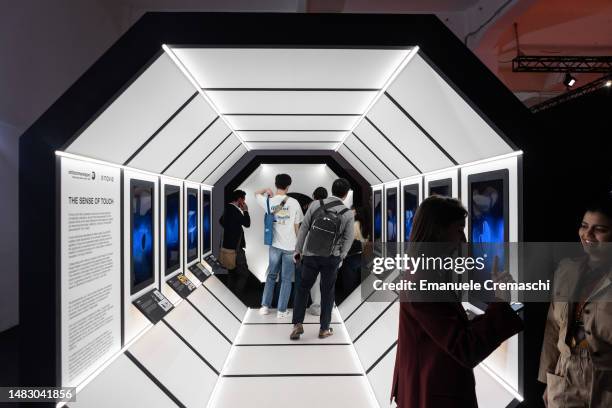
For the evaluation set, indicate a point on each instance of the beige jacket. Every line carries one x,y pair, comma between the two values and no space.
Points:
597,323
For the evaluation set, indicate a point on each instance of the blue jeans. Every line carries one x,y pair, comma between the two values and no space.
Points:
279,260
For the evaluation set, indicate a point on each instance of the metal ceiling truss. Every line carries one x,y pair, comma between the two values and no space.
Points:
603,82
573,64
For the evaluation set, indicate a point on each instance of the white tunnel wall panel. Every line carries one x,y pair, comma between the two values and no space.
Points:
292,146
358,165
216,158
407,136
202,336
376,163
286,360
175,365
319,391
385,150
136,114
367,312
381,378
226,296
215,312
130,388
489,391
290,68
304,122
445,114
292,136
379,337
292,101
354,300
226,165
175,137
199,150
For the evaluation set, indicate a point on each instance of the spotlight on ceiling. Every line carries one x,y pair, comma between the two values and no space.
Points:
569,80
608,83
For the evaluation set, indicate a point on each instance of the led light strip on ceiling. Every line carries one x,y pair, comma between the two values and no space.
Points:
191,79
381,92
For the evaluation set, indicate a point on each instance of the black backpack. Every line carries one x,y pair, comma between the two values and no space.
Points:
324,229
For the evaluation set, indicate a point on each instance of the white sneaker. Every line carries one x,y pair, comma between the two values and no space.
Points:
264,310
283,315
314,310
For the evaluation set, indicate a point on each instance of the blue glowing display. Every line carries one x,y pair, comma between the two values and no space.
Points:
141,199
192,224
206,215
411,202
392,215
377,207
172,228
488,226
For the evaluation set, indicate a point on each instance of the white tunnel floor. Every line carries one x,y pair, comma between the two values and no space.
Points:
271,370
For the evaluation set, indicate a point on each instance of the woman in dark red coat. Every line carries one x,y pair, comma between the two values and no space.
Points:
438,346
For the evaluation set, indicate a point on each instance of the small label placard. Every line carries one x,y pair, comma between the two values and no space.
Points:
215,265
181,285
154,305
199,272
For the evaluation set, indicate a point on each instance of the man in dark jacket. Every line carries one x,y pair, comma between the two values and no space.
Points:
235,217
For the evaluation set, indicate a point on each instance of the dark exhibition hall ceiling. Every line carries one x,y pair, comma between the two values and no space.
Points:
69,37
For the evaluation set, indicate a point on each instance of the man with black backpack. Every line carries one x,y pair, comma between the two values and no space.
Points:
323,241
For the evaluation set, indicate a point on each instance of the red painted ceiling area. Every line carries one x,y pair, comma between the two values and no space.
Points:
549,28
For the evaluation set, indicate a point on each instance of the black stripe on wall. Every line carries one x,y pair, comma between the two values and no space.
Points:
375,155
190,144
150,139
393,144
211,323
381,357
222,304
219,165
358,306
155,380
197,353
361,161
421,128
374,321
208,155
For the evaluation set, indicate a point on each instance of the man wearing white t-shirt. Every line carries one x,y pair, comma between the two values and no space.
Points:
287,217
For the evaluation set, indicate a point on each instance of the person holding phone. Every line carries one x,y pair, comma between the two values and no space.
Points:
438,346
234,219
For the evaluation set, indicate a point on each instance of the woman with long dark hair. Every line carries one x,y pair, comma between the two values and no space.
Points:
577,348
438,346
